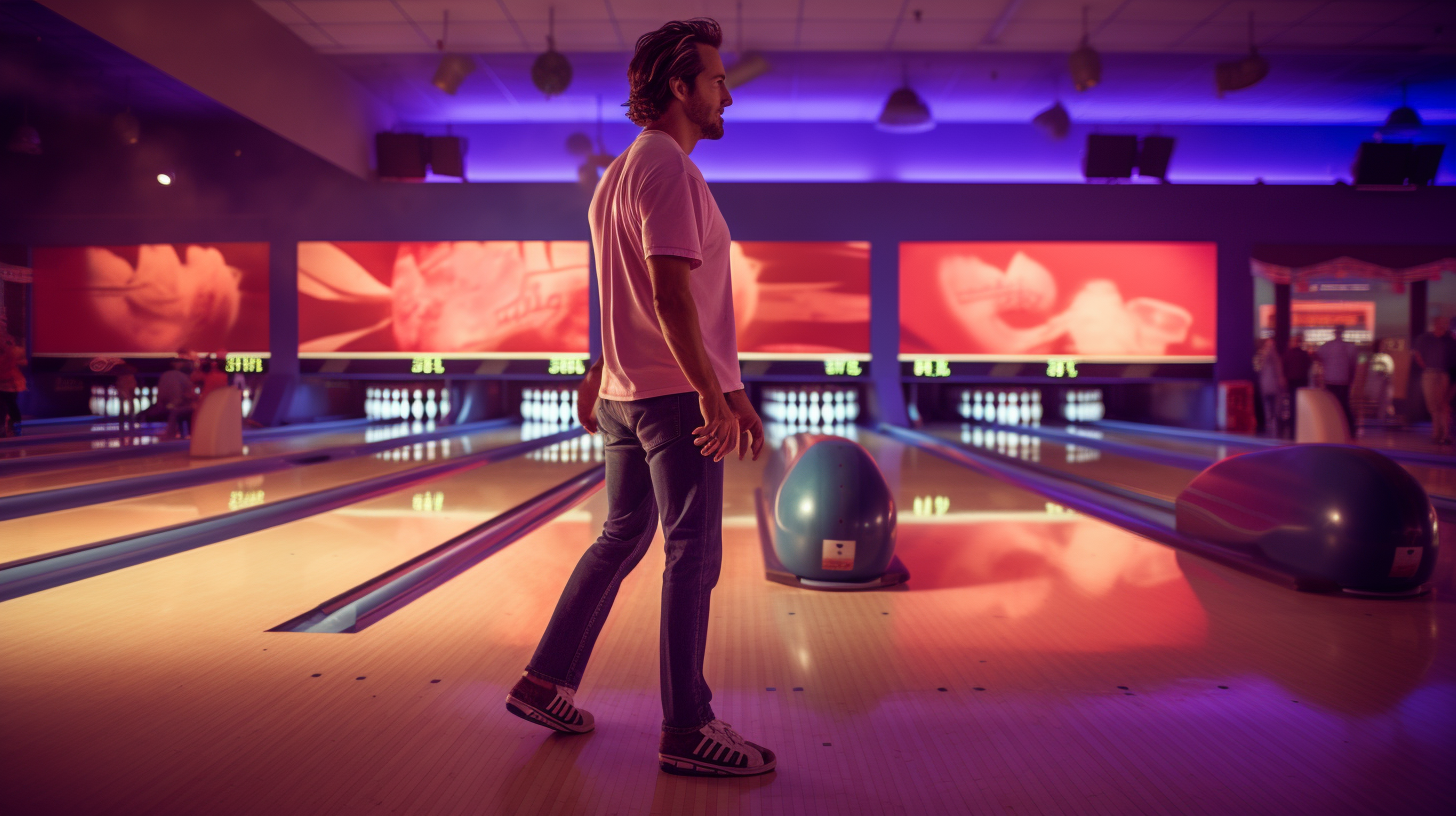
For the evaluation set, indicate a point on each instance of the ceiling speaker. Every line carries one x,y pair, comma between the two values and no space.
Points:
400,155
1110,156
447,156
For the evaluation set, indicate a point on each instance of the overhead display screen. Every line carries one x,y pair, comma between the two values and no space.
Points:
1100,301
464,298
801,300
150,299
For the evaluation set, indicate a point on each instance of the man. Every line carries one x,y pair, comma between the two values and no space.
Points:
1435,352
1337,359
176,394
669,366
1296,375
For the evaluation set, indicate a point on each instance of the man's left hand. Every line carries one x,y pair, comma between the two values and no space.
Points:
750,427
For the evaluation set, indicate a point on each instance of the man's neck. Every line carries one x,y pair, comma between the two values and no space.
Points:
676,125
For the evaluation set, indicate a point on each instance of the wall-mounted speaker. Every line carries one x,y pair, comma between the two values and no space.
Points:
447,156
1154,153
400,155
1110,156
1397,164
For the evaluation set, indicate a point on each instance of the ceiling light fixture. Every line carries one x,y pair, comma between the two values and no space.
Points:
551,73
1403,119
750,66
1054,120
454,68
1236,75
905,111
1084,63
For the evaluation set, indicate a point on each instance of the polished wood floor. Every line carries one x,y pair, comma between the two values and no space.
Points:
1037,662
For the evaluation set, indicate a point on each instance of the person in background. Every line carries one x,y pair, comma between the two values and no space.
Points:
1296,365
12,383
212,377
177,396
1272,385
1435,352
1337,360
126,386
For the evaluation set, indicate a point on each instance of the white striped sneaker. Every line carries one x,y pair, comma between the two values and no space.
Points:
713,750
554,708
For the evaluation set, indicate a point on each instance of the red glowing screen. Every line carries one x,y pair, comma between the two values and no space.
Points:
801,299
497,298
1099,301
530,298
150,299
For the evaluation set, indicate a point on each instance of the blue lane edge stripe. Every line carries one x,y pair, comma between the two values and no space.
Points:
368,603
54,569
20,505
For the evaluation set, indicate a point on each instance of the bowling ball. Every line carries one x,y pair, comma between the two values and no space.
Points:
1341,514
834,514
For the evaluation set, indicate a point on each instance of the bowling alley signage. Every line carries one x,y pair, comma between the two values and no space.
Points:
1059,302
150,299
803,300
431,300
441,300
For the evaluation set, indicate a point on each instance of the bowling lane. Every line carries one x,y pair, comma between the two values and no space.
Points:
49,532
171,460
27,446
1147,477
1007,654
213,604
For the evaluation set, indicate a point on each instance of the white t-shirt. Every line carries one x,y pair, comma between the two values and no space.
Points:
653,201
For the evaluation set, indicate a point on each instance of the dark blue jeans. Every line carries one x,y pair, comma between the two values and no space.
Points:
653,471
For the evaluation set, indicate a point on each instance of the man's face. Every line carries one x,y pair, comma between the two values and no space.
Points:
709,95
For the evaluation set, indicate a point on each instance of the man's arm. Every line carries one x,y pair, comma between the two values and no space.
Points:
677,314
586,397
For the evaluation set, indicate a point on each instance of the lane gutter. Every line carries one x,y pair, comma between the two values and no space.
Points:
1189,461
1398,454
55,461
19,505
27,575
370,602
1138,517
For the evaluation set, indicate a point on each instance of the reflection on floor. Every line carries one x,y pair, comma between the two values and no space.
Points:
1037,662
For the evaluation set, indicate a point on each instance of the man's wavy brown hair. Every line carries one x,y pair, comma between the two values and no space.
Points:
661,55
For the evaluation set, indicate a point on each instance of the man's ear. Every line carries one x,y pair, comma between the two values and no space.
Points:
679,88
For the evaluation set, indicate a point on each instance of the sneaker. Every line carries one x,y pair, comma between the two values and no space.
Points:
713,750
554,708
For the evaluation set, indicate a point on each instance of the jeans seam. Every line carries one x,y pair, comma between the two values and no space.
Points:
616,583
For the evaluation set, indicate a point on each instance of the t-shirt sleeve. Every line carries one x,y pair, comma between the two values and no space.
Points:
669,215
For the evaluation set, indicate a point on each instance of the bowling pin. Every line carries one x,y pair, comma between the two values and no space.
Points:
444,404
431,409
417,408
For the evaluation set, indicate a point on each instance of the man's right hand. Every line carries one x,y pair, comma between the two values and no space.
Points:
718,435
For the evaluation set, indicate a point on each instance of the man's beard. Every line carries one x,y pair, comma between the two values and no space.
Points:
700,112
